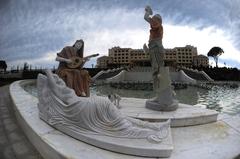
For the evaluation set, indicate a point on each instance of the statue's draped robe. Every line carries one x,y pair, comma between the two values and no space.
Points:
77,79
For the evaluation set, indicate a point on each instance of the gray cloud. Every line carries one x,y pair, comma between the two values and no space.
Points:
224,14
30,28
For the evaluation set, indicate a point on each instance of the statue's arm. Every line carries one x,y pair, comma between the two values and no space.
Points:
54,87
148,12
61,59
84,61
147,17
50,77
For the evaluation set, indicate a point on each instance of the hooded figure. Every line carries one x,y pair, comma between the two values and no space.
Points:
75,78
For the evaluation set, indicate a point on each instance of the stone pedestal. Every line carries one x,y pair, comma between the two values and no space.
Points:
165,96
156,105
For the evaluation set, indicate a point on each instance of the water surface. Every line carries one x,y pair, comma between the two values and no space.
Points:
221,98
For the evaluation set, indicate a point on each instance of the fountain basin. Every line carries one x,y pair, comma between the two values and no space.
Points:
185,115
218,140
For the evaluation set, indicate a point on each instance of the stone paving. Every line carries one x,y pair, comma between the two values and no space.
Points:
13,142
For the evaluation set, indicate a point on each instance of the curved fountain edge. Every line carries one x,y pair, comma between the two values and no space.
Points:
49,142
44,148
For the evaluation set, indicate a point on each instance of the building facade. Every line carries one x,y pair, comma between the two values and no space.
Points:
120,56
138,55
200,61
184,55
103,61
178,56
127,56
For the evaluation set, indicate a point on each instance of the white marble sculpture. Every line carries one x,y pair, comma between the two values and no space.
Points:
115,99
165,96
60,107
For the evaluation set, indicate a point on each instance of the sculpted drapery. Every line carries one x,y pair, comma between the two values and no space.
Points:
60,107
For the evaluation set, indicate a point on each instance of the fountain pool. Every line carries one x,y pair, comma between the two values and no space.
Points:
221,98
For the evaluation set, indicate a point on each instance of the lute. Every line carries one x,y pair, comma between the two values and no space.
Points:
77,61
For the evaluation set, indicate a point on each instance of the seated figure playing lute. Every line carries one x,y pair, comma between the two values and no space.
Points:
71,61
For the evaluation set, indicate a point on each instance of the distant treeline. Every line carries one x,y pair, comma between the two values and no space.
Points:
222,74
32,74
218,74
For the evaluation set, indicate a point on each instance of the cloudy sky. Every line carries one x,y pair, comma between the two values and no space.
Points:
34,31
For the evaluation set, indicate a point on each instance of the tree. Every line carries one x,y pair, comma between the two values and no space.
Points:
3,65
215,52
25,66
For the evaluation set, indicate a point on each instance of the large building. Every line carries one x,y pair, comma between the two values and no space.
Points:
182,55
103,61
126,56
200,61
119,55
178,56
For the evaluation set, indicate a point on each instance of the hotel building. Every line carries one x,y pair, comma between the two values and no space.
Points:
178,56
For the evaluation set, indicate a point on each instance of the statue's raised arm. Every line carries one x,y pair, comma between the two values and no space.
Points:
148,12
156,31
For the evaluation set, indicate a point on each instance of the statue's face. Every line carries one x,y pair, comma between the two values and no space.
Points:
78,45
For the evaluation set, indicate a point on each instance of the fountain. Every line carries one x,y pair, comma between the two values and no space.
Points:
63,125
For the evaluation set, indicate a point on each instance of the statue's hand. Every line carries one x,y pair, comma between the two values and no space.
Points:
69,61
145,48
148,10
86,59
48,72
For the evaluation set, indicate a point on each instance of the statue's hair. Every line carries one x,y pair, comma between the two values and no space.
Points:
80,51
78,41
158,16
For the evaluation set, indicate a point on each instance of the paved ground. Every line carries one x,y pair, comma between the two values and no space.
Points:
13,142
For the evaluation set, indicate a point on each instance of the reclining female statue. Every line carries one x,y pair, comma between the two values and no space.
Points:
60,107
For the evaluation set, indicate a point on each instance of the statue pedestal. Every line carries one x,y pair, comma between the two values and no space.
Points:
157,105
165,96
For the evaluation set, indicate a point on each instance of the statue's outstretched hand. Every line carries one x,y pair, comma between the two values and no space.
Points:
48,72
148,10
86,59
145,48
50,77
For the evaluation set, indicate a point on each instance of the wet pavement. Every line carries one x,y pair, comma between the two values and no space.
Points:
13,142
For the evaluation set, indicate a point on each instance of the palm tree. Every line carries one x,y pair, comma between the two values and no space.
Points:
215,52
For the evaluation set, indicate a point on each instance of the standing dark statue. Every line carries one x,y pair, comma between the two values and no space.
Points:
165,96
